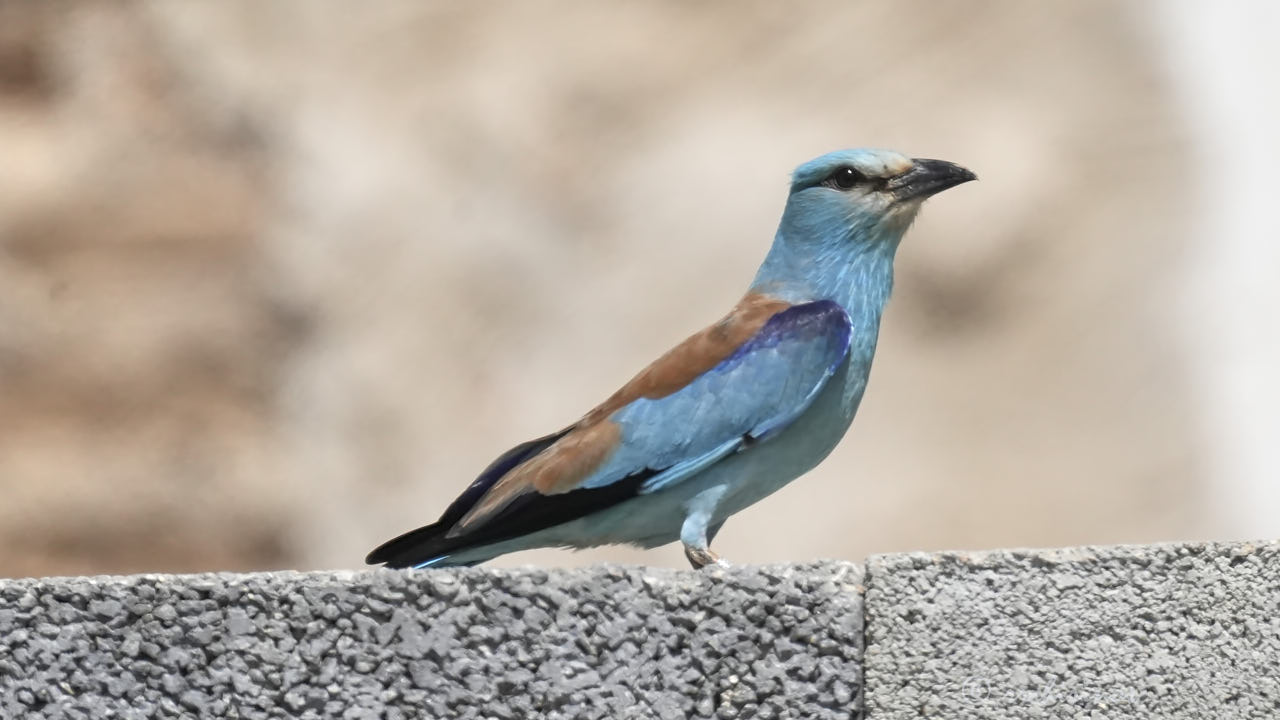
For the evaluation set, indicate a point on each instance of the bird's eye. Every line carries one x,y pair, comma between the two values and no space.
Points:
844,178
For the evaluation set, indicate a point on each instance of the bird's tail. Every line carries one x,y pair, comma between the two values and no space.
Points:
421,548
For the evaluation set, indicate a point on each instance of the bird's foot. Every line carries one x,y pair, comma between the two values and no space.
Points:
702,557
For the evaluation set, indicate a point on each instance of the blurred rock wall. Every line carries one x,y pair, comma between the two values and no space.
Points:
140,349
277,280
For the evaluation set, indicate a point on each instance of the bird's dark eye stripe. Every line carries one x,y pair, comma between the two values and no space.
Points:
844,178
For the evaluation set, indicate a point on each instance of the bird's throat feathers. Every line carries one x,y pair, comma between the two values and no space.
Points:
819,255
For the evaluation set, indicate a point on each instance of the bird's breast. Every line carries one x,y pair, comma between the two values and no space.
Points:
764,469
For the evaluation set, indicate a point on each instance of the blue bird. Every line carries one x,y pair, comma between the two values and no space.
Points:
729,415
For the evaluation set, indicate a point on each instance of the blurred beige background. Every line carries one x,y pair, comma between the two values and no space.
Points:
277,280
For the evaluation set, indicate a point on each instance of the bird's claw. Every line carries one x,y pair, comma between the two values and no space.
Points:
702,557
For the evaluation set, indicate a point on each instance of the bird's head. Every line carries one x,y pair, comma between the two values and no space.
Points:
863,195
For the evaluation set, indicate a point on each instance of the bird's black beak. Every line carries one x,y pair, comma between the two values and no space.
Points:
927,177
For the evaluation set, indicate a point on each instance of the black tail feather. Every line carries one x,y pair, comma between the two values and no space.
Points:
411,548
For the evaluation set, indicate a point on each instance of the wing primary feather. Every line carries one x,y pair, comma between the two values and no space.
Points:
504,464
410,548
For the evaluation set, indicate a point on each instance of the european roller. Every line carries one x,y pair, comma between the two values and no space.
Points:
726,417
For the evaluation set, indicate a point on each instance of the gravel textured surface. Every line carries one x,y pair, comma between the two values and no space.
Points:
605,642
1174,631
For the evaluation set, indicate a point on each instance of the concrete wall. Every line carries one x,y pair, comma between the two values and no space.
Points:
1170,631
1178,631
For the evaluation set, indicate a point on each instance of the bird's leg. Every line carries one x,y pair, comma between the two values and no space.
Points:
697,530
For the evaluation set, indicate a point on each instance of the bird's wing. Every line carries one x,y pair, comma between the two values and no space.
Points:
745,399
667,432
726,388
